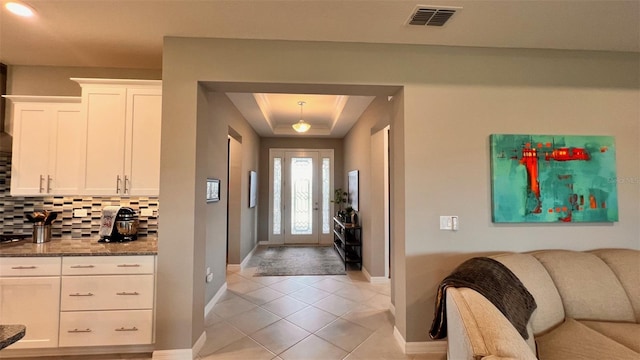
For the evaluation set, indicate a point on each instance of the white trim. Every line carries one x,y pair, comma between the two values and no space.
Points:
419,347
37,98
374,279
182,354
195,350
214,300
243,264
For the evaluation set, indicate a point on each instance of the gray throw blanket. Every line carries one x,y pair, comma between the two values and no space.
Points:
495,282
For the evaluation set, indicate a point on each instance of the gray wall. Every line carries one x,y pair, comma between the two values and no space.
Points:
291,143
357,156
452,100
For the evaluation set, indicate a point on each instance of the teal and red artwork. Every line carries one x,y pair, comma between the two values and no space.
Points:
553,178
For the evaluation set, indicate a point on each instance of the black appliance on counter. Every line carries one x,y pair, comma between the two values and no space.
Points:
118,224
9,238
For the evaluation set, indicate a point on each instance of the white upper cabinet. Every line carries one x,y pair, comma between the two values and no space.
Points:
46,145
121,137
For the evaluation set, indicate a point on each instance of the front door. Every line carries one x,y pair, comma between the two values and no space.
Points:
300,186
301,197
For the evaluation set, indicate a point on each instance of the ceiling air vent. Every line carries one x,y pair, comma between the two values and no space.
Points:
431,15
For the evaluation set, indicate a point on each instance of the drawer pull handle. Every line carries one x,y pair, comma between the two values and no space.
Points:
82,267
24,267
78,294
79,331
125,329
128,265
128,293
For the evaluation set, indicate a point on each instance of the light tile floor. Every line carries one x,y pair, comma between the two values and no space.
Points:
302,317
296,318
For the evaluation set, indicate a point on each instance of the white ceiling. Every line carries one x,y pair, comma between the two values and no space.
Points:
129,34
273,114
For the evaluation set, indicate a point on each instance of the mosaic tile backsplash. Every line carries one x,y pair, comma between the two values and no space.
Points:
12,210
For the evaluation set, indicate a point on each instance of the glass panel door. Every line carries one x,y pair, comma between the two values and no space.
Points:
301,197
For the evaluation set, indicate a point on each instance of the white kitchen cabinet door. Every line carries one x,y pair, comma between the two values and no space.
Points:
35,303
46,150
65,150
142,143
104,140
122,137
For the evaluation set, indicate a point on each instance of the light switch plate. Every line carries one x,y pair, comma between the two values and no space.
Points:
450,222
445,223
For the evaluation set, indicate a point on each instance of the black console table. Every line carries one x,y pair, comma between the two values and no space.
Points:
347,240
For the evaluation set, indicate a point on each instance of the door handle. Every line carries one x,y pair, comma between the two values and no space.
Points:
40,188
49,184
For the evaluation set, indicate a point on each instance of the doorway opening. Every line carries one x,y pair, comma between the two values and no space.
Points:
300,184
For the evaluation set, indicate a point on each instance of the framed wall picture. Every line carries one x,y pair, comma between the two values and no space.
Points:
553,178
253,188
213,190
353,190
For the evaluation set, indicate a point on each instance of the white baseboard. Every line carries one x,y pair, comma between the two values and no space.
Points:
243,264
182,354
419,347
392,308
214,300
374,279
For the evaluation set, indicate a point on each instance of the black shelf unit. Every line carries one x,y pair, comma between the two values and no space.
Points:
347,240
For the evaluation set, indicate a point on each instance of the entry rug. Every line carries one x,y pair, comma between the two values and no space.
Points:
300,260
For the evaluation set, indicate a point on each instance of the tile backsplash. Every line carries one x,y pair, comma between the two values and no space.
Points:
13,208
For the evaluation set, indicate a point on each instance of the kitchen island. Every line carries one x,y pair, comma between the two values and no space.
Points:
78,296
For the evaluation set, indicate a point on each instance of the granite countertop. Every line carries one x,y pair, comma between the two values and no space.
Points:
79,247
10,334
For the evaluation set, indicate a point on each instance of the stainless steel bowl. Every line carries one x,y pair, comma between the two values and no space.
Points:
127,227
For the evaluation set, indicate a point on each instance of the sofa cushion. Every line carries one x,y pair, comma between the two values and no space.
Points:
495,334
550,311
588,287
625,263
573,340
625,333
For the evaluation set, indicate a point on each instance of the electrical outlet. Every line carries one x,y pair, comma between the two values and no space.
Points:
80,213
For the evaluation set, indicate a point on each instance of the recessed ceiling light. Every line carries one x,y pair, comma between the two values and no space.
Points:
20,9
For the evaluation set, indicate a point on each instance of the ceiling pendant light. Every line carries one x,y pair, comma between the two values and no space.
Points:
301,126
20,9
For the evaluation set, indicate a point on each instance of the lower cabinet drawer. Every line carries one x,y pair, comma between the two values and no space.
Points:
111,292
98,328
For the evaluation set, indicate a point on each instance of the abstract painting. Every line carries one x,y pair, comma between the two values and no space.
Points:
553,178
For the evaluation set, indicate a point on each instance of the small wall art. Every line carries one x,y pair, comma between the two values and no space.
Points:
253,188
353,190
553,178
213,190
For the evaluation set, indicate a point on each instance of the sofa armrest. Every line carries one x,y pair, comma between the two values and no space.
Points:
477,329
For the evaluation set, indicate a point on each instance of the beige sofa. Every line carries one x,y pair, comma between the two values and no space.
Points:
588,307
